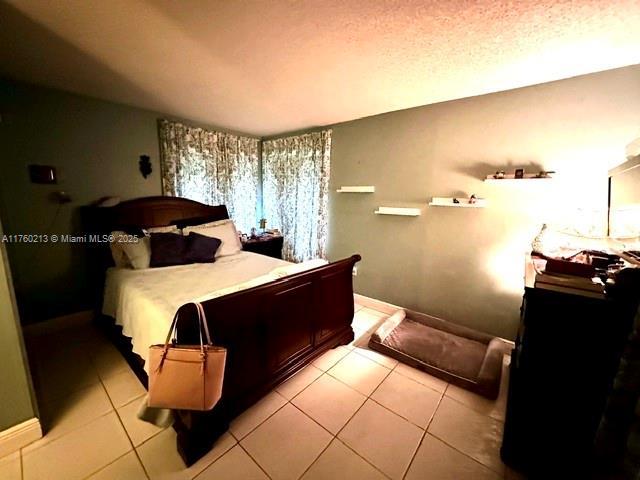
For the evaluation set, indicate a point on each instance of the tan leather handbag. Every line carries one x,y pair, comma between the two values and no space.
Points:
186,377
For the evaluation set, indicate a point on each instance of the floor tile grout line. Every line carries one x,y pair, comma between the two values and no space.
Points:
367,397
474,410
55,439
107,465
299,371
253,459
335,437
465,454
424,434
271,415
397,414
381,364
414,380
320,454
449,445
113,410
133,447
362,458
305,388
213,461
98,377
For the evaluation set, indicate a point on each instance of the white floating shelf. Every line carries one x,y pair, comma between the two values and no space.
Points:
408,212
357,189
510,178
464,202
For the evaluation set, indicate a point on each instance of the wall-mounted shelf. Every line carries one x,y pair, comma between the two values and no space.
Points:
407,212
511,178
464,202
357,189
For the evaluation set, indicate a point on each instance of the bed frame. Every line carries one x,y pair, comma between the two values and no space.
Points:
270,331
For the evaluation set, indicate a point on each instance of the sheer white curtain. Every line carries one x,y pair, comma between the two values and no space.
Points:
211,167
295,187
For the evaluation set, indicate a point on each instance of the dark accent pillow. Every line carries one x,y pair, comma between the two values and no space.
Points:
167,249
200,248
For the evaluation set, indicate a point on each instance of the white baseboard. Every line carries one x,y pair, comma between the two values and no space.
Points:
56,324
378,305
389,309
18,436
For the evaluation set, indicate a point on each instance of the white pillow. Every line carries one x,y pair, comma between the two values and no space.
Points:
120,258
127,252
138,253
224,230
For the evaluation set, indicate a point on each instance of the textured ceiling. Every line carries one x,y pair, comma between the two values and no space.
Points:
270,66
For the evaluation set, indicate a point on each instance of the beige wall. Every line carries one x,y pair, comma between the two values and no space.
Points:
16,403
466,265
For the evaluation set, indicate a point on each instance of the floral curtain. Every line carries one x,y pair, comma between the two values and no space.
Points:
211,167
295,183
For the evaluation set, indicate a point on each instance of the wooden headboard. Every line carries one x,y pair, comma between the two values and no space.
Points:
148,212
132,216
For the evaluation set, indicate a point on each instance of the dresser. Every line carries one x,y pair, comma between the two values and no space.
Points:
566,355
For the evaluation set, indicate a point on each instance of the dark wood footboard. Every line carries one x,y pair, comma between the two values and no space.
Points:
270,332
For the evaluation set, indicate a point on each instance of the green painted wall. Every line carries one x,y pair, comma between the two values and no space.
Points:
95,147
467,265
16,404
464,265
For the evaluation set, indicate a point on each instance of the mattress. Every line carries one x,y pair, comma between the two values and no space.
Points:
144,301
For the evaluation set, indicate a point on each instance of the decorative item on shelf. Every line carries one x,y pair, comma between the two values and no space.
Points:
253,232
511,177
499,174
357,189
263,224
472,202
145,165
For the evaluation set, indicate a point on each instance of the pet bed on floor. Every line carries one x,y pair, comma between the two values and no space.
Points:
456,354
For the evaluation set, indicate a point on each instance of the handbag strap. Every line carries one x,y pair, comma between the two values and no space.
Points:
203,322
202,325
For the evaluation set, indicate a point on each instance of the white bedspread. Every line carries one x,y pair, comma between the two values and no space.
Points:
144,301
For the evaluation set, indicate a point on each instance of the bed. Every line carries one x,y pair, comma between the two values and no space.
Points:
273,317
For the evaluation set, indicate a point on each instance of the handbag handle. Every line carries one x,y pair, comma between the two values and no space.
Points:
202,324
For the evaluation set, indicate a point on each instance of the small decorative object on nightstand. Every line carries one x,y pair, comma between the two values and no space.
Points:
268,244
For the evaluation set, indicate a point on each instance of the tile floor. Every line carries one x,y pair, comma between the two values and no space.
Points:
352,414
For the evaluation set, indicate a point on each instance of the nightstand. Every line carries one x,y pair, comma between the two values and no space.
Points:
267,244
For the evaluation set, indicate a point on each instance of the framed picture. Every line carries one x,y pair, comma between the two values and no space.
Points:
519,173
